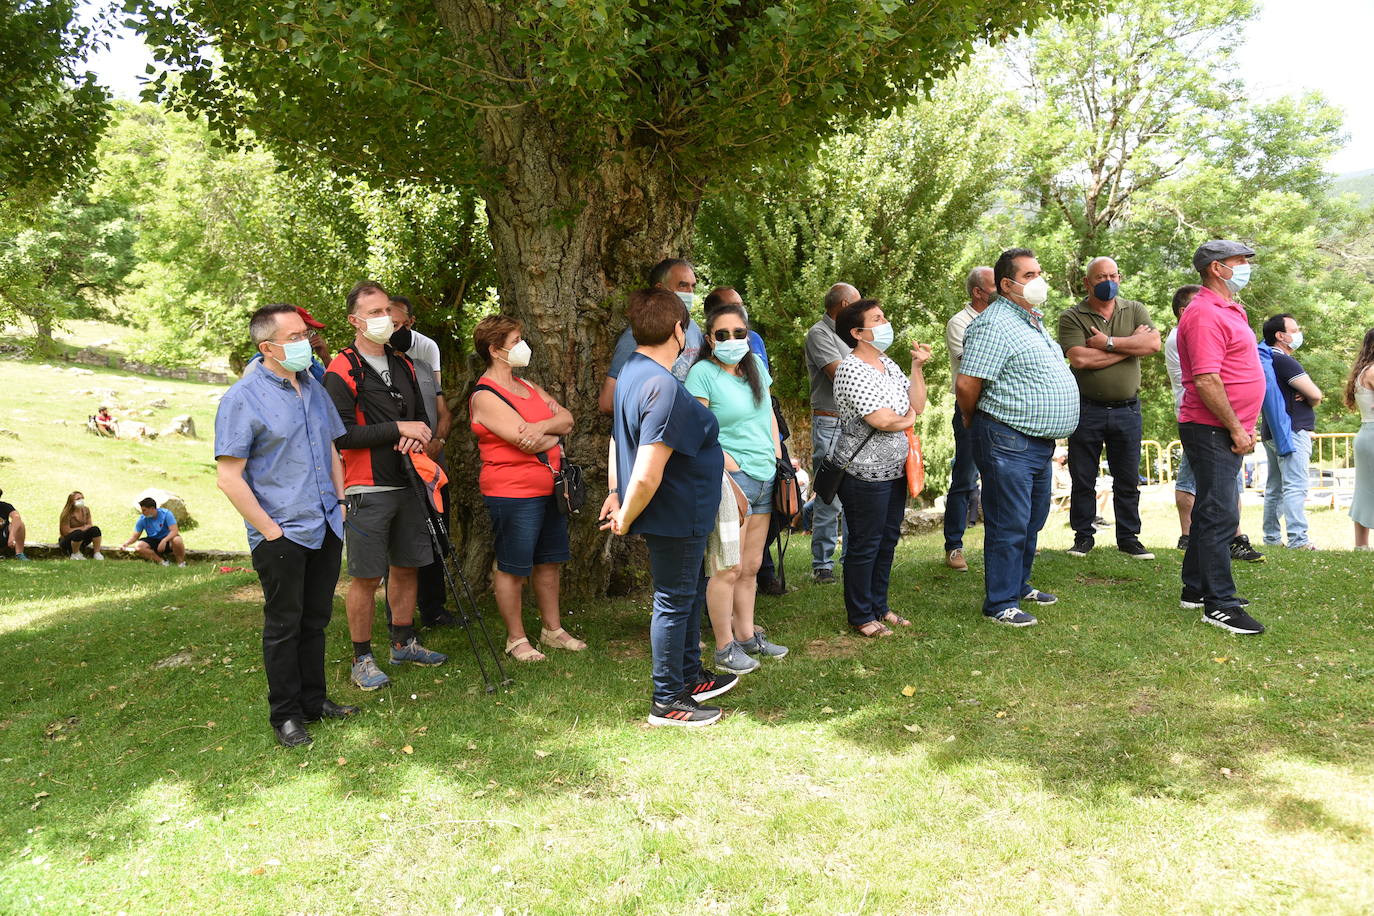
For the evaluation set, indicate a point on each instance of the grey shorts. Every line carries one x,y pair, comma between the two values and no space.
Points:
385,529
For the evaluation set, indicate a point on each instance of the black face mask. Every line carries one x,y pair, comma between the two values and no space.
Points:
402,339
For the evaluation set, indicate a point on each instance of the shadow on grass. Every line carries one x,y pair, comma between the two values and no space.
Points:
117,703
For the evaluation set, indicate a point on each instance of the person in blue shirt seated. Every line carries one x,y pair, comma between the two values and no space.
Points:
157,535
666,470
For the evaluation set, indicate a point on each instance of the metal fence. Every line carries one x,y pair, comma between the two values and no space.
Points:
1331,471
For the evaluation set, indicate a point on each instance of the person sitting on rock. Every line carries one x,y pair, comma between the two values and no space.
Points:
159,534
75,527
12,531
104,423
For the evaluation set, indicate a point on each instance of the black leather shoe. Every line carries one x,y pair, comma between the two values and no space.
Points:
441,619
292,733
332,710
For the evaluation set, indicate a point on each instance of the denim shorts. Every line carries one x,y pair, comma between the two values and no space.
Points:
528,531
1185,481
759,493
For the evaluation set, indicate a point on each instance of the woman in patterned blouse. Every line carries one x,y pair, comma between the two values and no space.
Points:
877,404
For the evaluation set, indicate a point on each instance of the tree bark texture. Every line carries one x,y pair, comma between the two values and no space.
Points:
570,241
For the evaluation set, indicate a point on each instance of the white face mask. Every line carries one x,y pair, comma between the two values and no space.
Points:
687,299
78,503
378,329
518,356
1036,291
1295,340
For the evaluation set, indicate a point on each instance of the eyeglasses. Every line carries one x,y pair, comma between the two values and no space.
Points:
725,334
294,338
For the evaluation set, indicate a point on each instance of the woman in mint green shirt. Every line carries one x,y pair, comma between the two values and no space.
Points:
733,384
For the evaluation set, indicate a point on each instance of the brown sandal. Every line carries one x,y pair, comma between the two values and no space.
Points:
874,629
897,620
531,654
562,639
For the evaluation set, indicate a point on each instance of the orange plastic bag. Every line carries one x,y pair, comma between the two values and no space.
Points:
915,465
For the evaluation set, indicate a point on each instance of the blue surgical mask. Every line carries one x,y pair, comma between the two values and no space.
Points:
1295,341
295,355
1240,275
1106,290
882,336
730,352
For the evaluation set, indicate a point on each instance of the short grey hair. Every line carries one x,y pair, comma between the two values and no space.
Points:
972,282
837,294
263,324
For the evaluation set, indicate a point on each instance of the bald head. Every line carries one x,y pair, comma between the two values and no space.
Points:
840,295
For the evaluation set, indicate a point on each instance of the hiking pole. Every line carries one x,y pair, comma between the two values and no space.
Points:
443,551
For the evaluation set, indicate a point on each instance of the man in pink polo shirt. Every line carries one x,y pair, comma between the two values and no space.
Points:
1223,388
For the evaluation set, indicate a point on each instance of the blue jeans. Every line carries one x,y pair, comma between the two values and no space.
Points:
1016,502
1118,428
757,493
826,517
876,509
679,598
1216,515
1286,488
963,480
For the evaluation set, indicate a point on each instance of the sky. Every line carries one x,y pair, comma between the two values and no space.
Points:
1295,45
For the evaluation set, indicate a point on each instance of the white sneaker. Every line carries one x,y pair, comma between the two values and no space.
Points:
98,556
166,563
76,555
181,565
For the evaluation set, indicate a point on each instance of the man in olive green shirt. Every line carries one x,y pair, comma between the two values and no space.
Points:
1104,338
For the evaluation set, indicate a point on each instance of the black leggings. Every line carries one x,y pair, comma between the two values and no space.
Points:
81,535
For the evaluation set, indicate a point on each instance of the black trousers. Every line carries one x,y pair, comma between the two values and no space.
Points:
79,536
1119,429
430,591
298,600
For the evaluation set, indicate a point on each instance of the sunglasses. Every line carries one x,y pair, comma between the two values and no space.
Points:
725,334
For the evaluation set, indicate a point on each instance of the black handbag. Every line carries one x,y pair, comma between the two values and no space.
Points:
569,485
830,471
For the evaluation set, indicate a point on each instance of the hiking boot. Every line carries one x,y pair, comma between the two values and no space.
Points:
711,685
1241,550
1013,617
682,711
416,654
823,576
366,675
1135,550
733,659
1233,620
759,645
1081,546
954,559
1039,597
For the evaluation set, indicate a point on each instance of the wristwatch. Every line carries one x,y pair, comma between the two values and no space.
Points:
1111,345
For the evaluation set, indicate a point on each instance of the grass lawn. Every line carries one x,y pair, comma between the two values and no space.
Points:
44,404
1120,757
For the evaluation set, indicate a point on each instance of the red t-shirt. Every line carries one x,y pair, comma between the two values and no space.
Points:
1215,337
507,471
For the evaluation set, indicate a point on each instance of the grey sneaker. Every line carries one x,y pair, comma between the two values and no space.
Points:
366,675
759,645
733,659
416,654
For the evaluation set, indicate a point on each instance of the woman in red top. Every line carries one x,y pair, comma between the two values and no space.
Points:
518,428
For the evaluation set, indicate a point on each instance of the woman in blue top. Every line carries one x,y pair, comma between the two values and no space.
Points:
665,468
733,383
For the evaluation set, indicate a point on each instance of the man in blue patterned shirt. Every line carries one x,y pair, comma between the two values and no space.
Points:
1017,396
274,447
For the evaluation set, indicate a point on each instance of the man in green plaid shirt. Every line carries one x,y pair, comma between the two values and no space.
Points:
1017,396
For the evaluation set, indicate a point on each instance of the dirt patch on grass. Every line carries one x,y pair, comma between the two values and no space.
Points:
248,594
1104,580
833,647
1144,703
628,649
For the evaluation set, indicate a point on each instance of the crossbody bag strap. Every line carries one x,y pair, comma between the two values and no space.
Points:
871,431
542,456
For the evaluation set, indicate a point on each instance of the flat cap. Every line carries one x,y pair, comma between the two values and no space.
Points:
1218,250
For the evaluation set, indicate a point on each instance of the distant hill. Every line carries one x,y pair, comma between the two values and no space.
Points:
1361,183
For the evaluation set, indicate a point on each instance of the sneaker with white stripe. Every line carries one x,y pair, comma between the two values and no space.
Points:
1233,620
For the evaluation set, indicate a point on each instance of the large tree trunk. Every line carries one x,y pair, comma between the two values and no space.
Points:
569,245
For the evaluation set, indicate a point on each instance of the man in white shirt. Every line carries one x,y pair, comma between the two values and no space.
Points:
963,474
422,347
